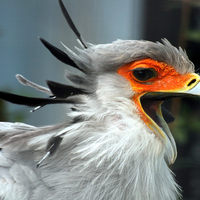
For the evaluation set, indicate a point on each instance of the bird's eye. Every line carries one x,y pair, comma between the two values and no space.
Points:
144,74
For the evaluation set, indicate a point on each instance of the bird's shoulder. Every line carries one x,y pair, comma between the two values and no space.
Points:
22,146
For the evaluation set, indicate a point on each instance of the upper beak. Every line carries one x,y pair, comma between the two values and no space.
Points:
195,91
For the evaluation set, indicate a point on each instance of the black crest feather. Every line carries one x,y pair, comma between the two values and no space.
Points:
71,24
60,55
63,91
60,92
31,101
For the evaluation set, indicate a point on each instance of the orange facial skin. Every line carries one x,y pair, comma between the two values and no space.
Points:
166,79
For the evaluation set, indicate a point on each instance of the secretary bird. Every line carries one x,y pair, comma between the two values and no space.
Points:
117,145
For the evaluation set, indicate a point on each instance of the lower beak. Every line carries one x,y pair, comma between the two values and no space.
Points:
148,102
195,91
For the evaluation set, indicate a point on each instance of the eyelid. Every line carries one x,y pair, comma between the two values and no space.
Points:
142,69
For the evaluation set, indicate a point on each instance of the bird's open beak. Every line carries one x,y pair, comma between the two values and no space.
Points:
151,104
154,82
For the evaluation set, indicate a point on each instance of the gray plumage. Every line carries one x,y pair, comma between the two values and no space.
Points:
120,52
105,150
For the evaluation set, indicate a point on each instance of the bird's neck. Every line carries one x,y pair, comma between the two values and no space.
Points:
123,158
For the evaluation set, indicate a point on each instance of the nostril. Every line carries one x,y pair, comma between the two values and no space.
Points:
191,82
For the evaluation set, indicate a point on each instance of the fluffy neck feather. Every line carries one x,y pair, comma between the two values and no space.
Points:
116,156
110,154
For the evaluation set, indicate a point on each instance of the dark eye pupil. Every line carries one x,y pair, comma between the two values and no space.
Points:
143,74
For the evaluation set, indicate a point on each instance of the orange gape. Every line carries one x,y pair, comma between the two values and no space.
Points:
166,80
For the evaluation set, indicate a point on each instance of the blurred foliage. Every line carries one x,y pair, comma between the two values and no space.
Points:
187,121
6,116
194,35
186,131
3,112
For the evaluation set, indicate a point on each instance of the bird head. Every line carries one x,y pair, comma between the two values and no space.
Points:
155,81
154,72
